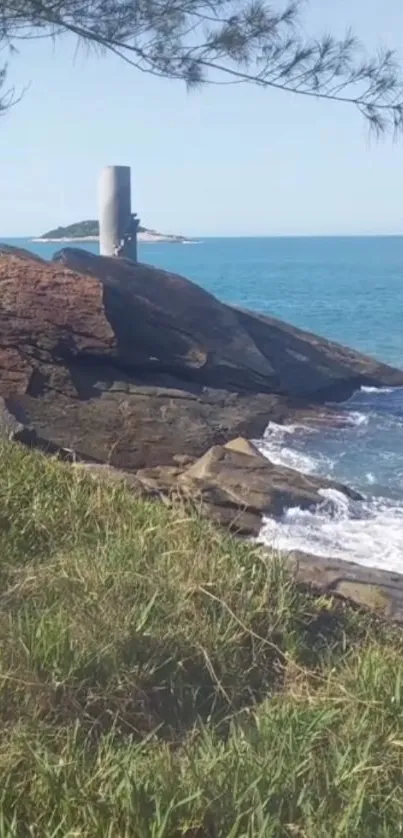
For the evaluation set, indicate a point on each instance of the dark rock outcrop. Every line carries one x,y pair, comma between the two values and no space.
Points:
134,366
129,424
311,366
163,322
180,327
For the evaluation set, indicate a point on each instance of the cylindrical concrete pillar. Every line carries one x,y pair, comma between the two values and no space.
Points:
115,218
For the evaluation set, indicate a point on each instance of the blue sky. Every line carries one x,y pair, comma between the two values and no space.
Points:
221,161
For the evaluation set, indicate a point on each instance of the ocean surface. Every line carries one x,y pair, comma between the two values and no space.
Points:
349,290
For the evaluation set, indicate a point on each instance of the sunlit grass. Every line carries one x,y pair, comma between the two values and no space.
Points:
159,679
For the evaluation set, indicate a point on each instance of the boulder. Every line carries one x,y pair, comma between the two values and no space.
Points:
134,366
237,489
161,321
234,484
243,446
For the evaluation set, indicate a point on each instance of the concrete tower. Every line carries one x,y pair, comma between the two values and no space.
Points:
117,225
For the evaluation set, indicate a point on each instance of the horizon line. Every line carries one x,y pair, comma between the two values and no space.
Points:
200,237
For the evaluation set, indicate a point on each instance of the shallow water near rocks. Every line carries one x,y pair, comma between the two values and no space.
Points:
365,453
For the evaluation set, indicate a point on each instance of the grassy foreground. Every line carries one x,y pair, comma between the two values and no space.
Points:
158,679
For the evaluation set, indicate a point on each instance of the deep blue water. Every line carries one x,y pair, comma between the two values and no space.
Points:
349,290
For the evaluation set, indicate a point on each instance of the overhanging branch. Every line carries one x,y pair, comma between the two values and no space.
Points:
222,41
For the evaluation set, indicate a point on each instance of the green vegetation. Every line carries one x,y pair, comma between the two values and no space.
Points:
78,230
159,679
252,41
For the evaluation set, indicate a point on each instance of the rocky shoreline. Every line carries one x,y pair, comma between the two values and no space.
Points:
143,376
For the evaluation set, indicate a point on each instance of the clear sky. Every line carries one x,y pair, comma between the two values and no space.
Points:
222,161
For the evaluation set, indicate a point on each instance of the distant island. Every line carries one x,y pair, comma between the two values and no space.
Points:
89,231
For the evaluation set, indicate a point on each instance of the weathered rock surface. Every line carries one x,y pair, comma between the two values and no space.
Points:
237,489
131,425
164,322
376,590
224,346
311,366
243,446
132,365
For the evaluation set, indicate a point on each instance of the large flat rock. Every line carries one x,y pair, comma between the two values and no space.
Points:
104,416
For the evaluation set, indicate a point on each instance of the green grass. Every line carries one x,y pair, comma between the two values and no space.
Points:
158,679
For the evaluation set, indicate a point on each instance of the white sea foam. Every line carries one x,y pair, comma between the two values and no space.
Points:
274,448
369,533
275,430
377,389
354,417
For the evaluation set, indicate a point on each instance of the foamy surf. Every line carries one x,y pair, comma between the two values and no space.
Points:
366,452
354,417
384,390
274,447
369,533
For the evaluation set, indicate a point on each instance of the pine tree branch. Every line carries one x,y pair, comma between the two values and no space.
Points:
222,41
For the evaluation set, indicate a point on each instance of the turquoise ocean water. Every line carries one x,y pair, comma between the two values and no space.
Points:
349,290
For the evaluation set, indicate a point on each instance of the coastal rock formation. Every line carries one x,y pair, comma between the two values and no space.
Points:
312,367
139,373
237,489
132,365
224,346
163,322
